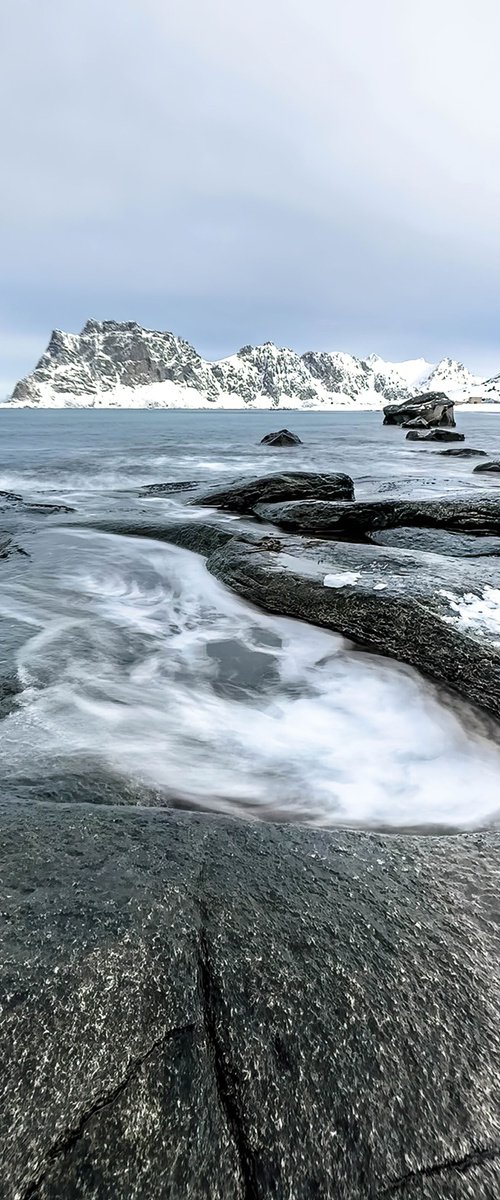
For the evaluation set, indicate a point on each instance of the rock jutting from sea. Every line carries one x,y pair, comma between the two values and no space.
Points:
421,412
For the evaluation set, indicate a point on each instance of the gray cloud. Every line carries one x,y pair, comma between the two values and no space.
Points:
324,174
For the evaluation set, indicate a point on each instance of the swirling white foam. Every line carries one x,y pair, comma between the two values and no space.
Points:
137,658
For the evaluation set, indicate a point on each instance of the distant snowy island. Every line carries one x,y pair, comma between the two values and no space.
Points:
113,364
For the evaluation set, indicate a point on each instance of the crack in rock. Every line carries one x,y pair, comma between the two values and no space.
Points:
225,1075
67,1140
461,1165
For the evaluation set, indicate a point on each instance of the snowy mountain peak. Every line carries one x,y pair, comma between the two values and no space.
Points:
414,372
120,364
452,377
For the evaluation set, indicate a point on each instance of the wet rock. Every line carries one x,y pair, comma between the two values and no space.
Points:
435,408
10,501
10,691
8,547
168,489
357,518
435,435
242,496
463,452
189,1003
438,541
441,615
282,437
201,537
12,638
489,467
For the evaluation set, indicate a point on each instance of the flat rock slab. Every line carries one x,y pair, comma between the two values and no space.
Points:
438,541
202,537
208,1009
441,615
463,452
242,496
479,515
169,489
9,501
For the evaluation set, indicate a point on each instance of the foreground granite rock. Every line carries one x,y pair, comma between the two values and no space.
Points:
432,408
441,615
206,1009
242,496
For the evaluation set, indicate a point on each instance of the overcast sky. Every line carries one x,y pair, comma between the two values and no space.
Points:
322,174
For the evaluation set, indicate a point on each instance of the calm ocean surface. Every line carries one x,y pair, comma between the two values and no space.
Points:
135,677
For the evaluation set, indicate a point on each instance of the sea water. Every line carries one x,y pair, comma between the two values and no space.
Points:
132,663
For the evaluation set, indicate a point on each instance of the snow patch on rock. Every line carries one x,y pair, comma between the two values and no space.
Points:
341,579
480,611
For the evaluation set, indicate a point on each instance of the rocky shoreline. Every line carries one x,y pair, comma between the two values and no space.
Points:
430,599
203,1008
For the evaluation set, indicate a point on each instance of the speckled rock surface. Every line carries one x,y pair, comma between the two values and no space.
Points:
195,1007
478,515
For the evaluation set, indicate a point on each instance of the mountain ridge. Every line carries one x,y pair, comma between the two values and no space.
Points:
122,364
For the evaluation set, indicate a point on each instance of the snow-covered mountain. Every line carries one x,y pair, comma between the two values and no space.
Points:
121,365
453,378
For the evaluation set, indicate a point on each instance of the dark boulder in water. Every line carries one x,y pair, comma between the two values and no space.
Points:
489,467
217,1009
463,452
434,408
282,437
242,496
435,435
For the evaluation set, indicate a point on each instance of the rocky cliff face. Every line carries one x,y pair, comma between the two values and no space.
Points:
123,365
